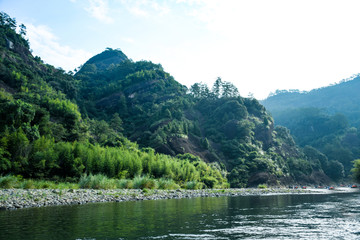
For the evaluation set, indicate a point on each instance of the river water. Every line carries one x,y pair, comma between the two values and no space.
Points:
321,216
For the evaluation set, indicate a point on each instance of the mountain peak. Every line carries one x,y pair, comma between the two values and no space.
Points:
103,60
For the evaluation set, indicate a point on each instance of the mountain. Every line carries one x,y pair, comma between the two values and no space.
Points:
339,98
216,125
104,60
123,119
327,119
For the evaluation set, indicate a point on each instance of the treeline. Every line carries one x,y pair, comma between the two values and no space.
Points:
220,89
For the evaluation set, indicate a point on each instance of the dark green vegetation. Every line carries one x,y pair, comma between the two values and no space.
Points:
232,133
325,119
57,125
44,135
97,181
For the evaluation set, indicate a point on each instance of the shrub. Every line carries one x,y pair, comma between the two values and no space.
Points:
167,184
210,182
125,183
28,184
142,182
97,181
9,181
193,185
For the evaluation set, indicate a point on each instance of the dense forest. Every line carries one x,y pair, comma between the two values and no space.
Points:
126,119
326,119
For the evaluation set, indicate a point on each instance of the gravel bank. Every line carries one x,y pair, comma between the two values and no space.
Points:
25,198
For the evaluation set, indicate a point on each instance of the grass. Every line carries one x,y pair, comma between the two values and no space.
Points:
167,184
100,181
97,181
141,182
262,186
193,185
10,181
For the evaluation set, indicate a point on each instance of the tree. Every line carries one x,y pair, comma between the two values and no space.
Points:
238,177
229,90
317,159
335,170
116,123
195,90
356,170
217,87
19,148
22,30
6,20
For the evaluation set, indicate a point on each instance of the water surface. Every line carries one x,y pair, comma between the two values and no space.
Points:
325,216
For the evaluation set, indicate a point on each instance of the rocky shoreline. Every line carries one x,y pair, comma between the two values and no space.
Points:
11,199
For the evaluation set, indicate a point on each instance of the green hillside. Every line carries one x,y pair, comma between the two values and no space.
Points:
214,124
341,98
124,119
43,134
327,119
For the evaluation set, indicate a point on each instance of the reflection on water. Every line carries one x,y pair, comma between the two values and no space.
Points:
334,216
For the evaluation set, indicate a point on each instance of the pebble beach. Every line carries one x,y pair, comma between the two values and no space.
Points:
11,199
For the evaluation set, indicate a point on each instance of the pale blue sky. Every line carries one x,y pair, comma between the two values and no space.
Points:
259,45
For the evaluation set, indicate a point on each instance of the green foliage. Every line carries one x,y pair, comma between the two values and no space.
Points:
8,181
238,177
326,119
356,170
164,183
11,181
220,89
56,124
45,158
262,186
299,168
317,159
141,182
210,182
194,185
335,170
97,182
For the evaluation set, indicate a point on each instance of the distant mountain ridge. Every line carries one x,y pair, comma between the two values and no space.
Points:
341,98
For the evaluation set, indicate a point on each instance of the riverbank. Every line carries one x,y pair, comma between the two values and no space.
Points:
24,198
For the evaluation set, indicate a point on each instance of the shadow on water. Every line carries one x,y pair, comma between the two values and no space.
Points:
254,217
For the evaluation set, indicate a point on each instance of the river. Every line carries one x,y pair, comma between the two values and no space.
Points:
300,216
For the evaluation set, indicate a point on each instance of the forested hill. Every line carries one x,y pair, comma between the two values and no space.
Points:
327,119
341,98
215,124
58,125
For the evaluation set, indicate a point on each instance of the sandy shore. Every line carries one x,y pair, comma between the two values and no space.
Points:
24,198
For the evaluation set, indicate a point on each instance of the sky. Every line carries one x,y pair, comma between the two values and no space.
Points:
258,45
